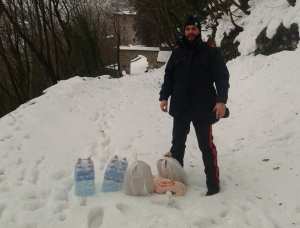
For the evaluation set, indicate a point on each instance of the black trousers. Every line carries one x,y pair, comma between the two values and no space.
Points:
181,129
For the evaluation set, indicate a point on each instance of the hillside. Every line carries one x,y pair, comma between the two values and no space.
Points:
258,147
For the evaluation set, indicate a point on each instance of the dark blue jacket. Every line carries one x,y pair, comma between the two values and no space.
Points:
196,77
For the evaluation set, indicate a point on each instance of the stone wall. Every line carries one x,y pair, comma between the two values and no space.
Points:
127,55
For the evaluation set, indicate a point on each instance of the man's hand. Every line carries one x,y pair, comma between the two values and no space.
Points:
220,109
164,105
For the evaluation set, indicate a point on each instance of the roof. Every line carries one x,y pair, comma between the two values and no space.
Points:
139,48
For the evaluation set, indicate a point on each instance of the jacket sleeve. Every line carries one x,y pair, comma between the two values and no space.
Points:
220,76
167,86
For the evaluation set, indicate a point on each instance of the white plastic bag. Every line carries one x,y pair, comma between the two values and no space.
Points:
170,168
138,179
163,185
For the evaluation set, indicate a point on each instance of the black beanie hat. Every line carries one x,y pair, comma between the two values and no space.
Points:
192,21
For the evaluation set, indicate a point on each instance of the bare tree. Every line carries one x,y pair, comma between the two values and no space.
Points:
38,50
42,42
166,17
110,12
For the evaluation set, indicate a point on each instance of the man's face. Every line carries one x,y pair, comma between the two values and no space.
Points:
190,32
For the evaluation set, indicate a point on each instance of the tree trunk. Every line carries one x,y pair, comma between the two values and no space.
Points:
49,72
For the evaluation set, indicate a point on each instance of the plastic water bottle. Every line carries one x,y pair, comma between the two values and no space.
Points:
124,163
90,161
78,162
89,177
114,160
113,163
79,181
119,178
115,157
109,184
110,173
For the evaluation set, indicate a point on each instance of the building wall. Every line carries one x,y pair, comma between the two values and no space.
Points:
128,36
126,56
128,33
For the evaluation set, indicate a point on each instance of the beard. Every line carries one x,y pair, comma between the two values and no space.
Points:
192,38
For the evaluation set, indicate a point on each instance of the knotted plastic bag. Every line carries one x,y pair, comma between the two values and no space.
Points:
163,185
138,179
170,168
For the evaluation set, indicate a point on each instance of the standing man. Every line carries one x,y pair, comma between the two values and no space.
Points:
191,72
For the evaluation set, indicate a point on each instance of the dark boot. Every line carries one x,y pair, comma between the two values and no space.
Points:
212,191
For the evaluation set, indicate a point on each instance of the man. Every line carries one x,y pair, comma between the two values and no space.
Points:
191,72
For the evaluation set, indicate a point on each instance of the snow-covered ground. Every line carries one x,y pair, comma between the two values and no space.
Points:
140,66
258,151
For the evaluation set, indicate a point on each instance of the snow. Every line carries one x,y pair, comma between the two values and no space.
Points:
127,13
163,56
100,117
264,14
139,48
139,66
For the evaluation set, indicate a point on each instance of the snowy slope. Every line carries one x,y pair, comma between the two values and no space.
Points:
100,117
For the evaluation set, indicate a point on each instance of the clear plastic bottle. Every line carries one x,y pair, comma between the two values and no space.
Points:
89,177
109,185
113,163
119,178
90,161
114,160
115,157
110,173
124,163
79,181
76,165
78,162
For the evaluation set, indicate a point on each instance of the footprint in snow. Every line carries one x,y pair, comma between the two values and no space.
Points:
95,217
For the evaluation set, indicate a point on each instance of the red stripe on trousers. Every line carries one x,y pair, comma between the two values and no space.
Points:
214,151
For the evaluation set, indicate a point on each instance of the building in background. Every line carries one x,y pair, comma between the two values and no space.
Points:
126,21
131,47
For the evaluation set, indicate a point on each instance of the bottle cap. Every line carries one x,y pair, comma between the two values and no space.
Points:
120,168
111,166
124,158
